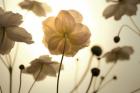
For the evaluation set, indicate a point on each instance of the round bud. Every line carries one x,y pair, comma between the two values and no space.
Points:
95,72
96,50
116,39
115,77
21,67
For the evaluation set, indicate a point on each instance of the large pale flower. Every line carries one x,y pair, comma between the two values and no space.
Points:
43,66
120,8
65,29
38,8
11,32
118,53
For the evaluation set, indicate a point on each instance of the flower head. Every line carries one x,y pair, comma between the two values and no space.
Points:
41,67
38,8
119,53
120,8
65,29
11,32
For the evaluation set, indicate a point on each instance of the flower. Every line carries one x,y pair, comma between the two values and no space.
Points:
41,67
11,32
38,8
119,53
65,29
120,8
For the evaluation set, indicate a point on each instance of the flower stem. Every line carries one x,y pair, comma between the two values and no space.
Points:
20,81
84,75
89,84
63,52
15,55
3,61
0,89
10,72
136,90
104,85
125,25
35,79
133,22
107,73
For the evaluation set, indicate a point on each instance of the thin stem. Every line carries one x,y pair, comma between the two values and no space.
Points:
104,85
10,60
15,55
3,61
133,22
0,89
136,90
110,69
10,72
84,75
63,52
76,73
20,81
129,28
89,84
35,79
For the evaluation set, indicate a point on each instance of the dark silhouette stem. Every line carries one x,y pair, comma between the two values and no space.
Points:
58,78
89,84
84,75
20,81
10,72
0,89
35,79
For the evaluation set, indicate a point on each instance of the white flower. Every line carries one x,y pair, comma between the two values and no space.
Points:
43,66
38,8
119,53
120,8
11,32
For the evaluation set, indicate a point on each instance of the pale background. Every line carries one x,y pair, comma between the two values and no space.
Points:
102,31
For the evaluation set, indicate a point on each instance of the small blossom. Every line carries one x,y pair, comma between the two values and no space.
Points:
38,8
119,53
41,67
11,32
118,8
65,29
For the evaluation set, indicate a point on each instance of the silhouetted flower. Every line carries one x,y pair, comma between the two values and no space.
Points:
11,32
41,67
38,8
96,50
65,29
119,53
120,8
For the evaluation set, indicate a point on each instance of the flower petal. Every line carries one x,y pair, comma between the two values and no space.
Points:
10,19
49,28
80,35
76,15
110,10
131,9
5,43
64,22
19,34
120,12
38,9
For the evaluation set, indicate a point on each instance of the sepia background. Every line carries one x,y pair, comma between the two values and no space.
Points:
103,31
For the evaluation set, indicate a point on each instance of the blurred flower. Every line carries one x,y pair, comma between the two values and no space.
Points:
120,8
65,29
38,8
11,32
119,53
41,67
